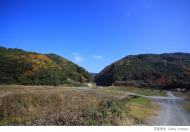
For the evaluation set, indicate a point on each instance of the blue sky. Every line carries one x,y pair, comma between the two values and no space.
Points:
95,33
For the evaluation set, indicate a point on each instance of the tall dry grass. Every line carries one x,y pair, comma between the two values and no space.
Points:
140,108
185,106
44,105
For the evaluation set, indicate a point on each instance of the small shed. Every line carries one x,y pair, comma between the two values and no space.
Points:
178,89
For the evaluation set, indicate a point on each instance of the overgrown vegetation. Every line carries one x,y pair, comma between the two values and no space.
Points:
140,107
31,68
18,108
48,106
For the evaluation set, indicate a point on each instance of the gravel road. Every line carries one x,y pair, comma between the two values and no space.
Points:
170,113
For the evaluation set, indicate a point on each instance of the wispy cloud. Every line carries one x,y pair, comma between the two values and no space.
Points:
173,21
74,54
128,14
97,57
79,59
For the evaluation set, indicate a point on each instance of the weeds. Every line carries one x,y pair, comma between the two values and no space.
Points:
18,107
68,108
104,113
140,108
185,106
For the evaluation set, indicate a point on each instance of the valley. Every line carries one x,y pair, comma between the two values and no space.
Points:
47,89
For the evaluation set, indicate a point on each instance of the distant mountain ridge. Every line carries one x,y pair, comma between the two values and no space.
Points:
141,67
93,74
30,68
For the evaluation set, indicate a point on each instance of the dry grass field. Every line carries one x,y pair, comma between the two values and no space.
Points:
49,105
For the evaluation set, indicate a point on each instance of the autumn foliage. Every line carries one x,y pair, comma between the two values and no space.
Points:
149,68
30,68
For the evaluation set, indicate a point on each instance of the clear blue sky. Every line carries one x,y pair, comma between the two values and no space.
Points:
95,33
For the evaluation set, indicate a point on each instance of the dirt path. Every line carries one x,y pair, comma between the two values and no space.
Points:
170,114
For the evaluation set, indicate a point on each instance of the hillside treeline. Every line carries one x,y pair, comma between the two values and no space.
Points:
30,68
141,67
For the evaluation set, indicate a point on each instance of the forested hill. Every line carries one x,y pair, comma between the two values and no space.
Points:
30,68
144,66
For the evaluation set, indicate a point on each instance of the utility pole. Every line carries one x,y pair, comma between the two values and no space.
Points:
165,63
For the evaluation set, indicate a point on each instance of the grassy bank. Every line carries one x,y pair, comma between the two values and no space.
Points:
48,106
185,96
140,108
140,91
185,106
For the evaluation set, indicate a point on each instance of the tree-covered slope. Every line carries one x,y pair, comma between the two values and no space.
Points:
31,68
74,71
142,67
